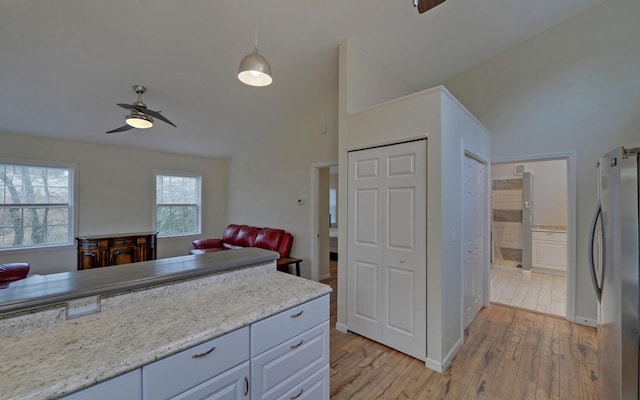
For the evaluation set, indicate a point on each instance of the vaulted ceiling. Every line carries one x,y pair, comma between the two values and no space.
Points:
65,64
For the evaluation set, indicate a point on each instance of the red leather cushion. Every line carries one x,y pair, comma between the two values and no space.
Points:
230,234
207,244
13,271
285,245
247,236
269,239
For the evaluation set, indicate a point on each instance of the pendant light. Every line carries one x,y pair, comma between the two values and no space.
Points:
254,69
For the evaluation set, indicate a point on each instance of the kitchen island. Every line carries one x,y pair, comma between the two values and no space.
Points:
49,351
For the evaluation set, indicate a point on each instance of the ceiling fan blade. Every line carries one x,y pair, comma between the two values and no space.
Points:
121,129
426,5
152,113
126,106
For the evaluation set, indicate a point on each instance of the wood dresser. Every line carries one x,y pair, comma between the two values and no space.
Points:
103,251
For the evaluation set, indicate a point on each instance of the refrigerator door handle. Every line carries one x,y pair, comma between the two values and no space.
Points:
597,213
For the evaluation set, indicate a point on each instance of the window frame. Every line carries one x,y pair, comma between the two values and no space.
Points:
72,223
198,218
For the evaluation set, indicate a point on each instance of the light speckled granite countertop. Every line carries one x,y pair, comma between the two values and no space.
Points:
50,361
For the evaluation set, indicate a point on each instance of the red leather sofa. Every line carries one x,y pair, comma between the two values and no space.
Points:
13,272
239,236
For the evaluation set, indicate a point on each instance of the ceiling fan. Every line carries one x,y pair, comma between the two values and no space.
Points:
140,116
426,5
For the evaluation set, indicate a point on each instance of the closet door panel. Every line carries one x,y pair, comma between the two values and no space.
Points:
386,250
364,300
404,252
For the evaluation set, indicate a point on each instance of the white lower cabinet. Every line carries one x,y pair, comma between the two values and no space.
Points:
285,356
124,387
229,385
315,387
175,376
549,250
290,354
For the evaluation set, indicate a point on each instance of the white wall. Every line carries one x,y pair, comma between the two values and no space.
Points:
450,128
574,88
549,189
116,188
371,82
268,176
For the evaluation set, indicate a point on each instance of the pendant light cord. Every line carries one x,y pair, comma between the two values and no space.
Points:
256,34
256,27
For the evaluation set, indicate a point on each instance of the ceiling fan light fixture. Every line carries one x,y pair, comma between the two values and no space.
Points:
255,70
139,121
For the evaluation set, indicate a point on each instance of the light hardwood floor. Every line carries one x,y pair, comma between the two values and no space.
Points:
508,354
532,291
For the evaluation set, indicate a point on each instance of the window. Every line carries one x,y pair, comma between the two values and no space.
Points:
177,205
36,206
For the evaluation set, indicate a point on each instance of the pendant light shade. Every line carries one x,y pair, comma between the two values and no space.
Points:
255,70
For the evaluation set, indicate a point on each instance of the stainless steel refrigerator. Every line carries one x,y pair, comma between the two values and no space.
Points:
614,270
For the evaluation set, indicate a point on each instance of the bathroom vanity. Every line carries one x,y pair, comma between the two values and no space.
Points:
549,249
222,325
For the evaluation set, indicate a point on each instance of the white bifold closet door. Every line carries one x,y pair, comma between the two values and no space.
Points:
386,250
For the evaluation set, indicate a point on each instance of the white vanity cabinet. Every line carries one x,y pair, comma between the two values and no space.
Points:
290,353
549,250
194,373
124,387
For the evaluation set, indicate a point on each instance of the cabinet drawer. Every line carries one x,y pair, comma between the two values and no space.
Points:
314,388
276,329
123,387
230,385
182,371
552,236
276,371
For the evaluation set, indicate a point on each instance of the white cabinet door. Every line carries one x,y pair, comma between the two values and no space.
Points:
278,370
315,387
230,385
549,251
123,387
180,372
386,253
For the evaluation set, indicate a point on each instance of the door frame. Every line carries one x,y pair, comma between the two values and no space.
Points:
570,158
315,215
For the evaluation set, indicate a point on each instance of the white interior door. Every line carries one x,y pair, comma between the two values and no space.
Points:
386,252
473,233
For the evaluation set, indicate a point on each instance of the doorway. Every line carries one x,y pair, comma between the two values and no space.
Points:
324,237
531,263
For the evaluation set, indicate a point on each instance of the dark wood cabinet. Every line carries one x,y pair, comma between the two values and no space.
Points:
104,251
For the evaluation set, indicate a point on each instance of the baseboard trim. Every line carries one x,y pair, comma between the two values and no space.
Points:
448,359
341,327
586,321
325,276
434,365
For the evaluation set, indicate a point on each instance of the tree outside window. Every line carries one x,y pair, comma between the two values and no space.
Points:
177,205
35,206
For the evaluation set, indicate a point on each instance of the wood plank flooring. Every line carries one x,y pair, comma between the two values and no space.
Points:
533,291
508,354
